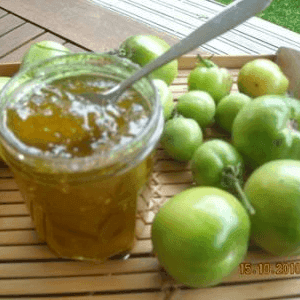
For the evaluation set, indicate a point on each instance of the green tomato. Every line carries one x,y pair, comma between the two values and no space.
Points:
268,129
197,105
212,79
181,137
41,51
228,108
166,97
201,235
142,49
262,77
211,160
3,81
274,191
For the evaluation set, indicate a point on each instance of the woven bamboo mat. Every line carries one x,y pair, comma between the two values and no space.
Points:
28,270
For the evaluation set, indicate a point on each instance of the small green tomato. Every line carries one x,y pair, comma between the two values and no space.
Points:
181,137
197,105
228,108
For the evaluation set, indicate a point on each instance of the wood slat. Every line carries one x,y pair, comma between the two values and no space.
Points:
30,237
9,22
22,237
72,268
5,172
52,286
13,210
181,17
17,37
81,22
3,13
260,290
8,184
15,223
10,197
42,252
16,55
75,48
171,166
122,296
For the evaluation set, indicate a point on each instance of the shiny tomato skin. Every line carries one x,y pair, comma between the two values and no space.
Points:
142,49
214,80
201,235
262,77
274,191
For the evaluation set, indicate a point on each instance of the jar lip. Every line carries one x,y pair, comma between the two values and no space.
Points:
131,150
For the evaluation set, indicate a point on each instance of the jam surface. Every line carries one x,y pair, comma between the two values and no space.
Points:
59,119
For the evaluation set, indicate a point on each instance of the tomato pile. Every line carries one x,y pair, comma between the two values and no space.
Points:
245,186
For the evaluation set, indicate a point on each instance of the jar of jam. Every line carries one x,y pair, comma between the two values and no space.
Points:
80,164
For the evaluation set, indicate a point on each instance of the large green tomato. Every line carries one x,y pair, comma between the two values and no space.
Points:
262,77
268,129
201,235
41,51
274,191
142,49
210,78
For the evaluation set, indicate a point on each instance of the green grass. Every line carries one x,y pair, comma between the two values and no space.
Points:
285,13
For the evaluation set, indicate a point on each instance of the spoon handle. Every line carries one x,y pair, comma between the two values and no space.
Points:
233,15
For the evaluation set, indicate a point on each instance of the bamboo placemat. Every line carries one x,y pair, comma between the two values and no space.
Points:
28,270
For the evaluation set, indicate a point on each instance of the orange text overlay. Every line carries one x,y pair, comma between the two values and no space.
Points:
279,268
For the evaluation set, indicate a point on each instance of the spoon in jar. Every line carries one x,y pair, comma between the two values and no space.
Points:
233,15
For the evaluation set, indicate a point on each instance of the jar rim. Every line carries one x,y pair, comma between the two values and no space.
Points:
117,160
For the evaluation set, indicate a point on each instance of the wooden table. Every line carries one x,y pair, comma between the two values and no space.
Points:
28,270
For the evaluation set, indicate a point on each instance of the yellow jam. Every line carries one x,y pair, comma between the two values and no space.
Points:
82,214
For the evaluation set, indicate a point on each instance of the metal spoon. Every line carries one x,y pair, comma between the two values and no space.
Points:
233,15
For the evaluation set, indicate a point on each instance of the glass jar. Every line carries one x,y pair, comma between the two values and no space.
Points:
83,206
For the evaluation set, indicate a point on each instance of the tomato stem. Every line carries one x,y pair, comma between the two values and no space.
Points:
206,63
230,179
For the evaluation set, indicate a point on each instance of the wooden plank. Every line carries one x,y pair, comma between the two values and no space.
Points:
3,13
5,173
167,23
260,290
30,237
8,197
48,286
16,55
130,296
29,252
75,48
9,22
77,268
17,37
13,210
16,223
20,237
9,69
8,184
122,296
179,18
81,22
